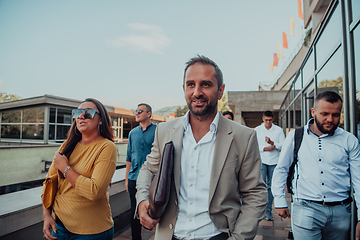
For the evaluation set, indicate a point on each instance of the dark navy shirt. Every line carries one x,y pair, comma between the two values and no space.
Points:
139,146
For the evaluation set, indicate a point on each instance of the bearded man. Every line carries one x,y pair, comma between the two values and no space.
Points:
328,160
217,192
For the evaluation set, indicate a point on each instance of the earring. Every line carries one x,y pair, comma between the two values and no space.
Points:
100,129
76,131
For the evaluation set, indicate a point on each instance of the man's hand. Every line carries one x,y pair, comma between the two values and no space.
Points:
126,184
268,140
357,231
283,212
145,219
269,148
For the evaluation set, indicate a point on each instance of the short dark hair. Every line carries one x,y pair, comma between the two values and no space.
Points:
268,113
206,61
228,113
329,96
147,106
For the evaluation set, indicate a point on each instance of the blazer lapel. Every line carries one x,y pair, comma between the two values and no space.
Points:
176,135
222,145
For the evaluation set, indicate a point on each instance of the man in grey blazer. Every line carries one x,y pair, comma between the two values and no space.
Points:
218,192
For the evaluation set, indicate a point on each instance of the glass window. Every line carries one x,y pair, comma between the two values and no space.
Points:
298,84
34,115
331,75
297,109
61,132
12,116
357,75
114,121
308,69
10,131
330,37
291,117
286,103
52,132
355,4
64,116
116,132
52,115
291,98
35,131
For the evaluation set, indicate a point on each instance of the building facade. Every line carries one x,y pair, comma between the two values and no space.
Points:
47,119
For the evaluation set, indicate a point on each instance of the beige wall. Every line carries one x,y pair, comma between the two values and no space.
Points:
25,164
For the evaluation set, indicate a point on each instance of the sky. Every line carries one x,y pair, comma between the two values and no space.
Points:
128,52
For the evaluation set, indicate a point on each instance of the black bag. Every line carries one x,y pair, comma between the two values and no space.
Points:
159,193
299,132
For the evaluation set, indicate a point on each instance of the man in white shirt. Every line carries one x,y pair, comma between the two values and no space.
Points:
217,191
270,138
328,160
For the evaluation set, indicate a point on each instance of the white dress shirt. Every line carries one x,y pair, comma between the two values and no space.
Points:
326,165
193,219
276,134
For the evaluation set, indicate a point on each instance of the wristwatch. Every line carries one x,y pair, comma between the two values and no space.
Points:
66,169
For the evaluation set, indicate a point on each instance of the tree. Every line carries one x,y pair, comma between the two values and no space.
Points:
223,103
181,111
4,97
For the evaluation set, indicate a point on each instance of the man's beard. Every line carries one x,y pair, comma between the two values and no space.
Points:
321,128
207,110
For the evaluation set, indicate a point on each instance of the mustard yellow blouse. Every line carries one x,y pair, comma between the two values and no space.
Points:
85,209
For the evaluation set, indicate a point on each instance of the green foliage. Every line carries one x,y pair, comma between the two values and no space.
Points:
4,97
307,38
181,111
223,103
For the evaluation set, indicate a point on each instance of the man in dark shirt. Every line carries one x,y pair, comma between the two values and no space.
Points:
140,143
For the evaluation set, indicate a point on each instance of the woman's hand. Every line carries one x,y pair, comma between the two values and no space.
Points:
60,162
49,223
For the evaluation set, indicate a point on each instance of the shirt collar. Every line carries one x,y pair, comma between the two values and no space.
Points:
311,122
213,126
263,124
146,127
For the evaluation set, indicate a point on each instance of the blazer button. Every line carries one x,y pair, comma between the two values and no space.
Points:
171,226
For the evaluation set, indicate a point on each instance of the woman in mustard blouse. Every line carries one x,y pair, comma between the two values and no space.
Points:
85,162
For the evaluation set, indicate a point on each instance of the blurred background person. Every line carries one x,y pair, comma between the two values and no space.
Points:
140,143
270,138
228,115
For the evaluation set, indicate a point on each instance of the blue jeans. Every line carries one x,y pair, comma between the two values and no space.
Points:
313,221
267,174
64,234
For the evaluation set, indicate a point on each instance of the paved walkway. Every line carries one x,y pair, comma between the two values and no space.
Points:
268,230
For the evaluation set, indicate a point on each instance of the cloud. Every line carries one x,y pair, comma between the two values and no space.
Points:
154,41
2,84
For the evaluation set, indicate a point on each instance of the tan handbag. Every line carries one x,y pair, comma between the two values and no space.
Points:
51,185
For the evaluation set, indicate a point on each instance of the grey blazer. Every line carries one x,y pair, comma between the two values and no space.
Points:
237,196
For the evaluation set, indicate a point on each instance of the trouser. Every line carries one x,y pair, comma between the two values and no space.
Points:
267,174
313,221
63,234
134,222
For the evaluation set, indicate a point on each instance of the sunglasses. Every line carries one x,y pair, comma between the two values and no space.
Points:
139,111
88,113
